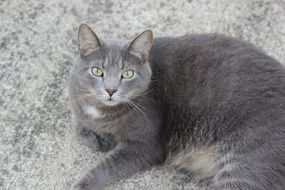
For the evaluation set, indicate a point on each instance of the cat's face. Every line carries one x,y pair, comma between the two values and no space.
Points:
112,72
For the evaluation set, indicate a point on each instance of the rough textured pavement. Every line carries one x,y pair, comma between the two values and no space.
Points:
37,45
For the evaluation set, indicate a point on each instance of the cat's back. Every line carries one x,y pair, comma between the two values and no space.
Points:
218,80
208,50
210,69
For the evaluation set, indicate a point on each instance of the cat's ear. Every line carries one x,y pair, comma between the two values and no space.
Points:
88,42
141,45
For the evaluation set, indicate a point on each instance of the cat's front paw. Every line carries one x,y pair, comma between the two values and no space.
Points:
94,141
83,186
86,183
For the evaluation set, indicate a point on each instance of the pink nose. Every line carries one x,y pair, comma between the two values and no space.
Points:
111,91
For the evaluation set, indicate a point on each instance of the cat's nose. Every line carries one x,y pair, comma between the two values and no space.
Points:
111,91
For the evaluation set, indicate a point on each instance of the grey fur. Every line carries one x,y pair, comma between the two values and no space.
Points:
213,101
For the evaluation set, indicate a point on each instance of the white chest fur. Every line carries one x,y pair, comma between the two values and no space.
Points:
92,112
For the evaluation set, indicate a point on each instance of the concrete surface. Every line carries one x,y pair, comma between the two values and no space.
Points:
37,45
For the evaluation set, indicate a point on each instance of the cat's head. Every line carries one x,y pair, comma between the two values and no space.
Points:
112,71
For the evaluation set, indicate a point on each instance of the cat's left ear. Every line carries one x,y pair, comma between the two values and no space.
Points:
141,45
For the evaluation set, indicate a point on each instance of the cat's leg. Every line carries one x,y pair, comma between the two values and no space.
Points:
124,161
92,140
249,171
95,141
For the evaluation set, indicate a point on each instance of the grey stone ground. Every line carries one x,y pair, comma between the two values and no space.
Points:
37,45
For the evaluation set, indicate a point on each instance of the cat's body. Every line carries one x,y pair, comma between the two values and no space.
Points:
225,108
213,106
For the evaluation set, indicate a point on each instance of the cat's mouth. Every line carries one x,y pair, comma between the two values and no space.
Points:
110,102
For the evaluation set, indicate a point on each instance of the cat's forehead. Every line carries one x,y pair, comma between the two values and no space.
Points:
114,51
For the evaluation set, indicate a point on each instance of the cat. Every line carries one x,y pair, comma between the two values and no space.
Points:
205,103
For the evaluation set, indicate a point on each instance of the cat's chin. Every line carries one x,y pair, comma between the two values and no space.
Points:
110,103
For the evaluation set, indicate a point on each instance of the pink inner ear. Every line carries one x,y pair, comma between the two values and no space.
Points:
88,42
141,46
87,51
141,56
87,48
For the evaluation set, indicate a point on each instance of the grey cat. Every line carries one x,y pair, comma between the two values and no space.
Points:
206,104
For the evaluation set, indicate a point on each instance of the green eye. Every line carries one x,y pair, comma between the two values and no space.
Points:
128,74
96,72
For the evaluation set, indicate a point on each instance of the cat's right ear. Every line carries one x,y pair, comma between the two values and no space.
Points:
88,42
141,45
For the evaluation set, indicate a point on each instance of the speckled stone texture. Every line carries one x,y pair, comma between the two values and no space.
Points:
37,46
